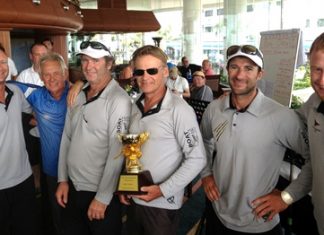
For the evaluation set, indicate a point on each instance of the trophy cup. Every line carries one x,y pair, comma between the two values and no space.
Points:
131,180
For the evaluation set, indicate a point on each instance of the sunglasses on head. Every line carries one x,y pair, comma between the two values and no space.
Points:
150,71
246,49
93,45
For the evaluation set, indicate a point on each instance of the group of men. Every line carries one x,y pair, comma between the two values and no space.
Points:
238,148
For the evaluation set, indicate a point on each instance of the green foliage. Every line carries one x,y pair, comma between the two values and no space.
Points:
296,102
305,81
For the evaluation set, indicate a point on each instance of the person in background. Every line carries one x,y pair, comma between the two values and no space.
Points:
127,72
49,106
88,169
173,152
49,44
311,177
31,76
249,133
199,89
17,191
207,68
178,85
186,69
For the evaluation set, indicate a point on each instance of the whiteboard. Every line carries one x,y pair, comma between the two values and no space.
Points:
279,50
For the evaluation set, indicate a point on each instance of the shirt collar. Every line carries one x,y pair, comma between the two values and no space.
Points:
165,103
255,107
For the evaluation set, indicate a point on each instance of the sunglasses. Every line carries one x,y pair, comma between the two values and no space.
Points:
150,71
246,49
93,45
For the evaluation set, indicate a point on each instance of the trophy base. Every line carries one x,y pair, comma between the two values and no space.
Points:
131,183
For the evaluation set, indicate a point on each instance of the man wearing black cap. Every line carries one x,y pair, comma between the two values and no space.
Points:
250,134
88,167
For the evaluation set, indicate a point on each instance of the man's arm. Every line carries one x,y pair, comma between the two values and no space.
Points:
186,90
294,136
63,187
188,135
208,180
118,124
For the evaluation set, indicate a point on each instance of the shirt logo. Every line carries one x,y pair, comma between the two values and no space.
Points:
316,126
171,200
122,124
219,130
191,137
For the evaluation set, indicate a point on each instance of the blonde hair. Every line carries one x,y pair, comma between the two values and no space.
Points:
54,57
150,50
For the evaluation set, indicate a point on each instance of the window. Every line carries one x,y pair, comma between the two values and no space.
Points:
249,8
220,11
208,13
320,22
208,29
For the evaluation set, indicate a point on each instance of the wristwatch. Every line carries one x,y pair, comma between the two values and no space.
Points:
285,196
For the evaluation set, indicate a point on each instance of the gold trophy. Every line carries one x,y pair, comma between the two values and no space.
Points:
131,181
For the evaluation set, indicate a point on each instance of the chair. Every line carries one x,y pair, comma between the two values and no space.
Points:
213,81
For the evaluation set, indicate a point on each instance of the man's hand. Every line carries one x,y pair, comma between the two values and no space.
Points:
153,192
74,92
125,199
269,205
210,188
33,121
96,210
61,194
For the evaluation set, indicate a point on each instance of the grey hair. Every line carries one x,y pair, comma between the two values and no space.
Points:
53,57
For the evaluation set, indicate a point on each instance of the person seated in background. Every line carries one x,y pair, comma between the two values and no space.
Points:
186,69
199,89
207,68
126,73
178,85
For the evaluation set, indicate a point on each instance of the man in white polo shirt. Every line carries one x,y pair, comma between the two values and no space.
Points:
31,76
17,192
88,169
311,177
249,133
173,153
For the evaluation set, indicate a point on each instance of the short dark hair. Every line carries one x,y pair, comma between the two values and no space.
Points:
36,44
183,58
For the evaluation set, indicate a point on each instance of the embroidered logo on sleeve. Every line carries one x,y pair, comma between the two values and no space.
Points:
122,125
191,137
220,128
316,126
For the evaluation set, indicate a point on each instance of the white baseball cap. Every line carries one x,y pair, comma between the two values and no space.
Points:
94,49
247,51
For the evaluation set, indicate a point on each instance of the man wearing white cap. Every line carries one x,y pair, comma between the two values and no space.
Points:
249,133
88,167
